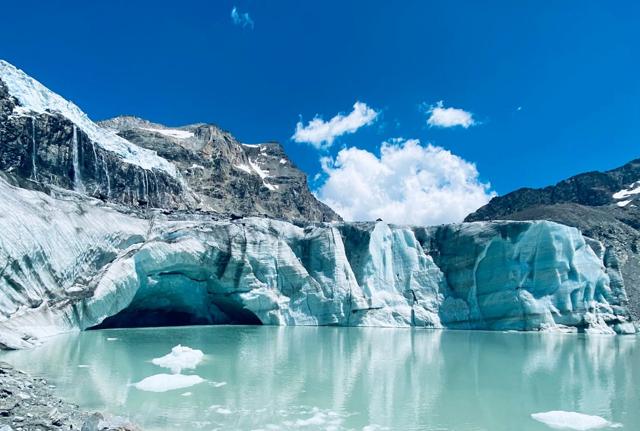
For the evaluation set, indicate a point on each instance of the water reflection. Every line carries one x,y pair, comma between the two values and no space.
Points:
400,379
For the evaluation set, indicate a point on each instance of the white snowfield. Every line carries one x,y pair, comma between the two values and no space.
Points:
35,97
68,264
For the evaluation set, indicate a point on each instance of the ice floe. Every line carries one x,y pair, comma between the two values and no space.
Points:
180,358
563,420
167,382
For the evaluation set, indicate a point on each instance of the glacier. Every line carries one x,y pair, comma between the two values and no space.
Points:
69,262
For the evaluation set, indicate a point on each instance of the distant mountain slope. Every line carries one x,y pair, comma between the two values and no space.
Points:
226,175
46,140
603,205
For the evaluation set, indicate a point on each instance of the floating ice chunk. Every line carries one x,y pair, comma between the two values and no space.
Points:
562,420
623,203
219,409
167,382
186,394
83,366
112,338
326,419
181,357
218,384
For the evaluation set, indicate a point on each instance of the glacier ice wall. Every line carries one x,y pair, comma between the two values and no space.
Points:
73,263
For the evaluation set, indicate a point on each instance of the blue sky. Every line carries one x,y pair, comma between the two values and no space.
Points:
552,87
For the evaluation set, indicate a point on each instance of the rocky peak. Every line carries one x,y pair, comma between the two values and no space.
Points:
618,187
228,176
127,160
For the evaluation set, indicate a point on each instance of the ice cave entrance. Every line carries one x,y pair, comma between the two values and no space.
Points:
178,299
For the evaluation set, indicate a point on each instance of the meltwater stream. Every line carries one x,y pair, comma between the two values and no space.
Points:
308,378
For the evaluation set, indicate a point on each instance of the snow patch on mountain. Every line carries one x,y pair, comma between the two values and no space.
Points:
172,133
254,169
633,189
34,96
258,170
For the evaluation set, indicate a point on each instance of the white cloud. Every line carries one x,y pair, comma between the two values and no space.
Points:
321,134
241,19
439,116
407,184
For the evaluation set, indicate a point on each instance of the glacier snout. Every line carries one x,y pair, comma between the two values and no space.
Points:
500,276
121,270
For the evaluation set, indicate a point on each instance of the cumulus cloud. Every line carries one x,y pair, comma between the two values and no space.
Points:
439,116
321,134
241,19
408,183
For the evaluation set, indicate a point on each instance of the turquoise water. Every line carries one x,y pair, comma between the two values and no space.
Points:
346,378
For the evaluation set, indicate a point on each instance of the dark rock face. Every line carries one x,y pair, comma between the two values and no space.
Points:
603,205
215,173
226,176
50,149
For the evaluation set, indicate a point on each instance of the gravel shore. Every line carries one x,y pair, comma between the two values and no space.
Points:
28,404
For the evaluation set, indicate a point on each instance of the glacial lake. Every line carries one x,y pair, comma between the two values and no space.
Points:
309,378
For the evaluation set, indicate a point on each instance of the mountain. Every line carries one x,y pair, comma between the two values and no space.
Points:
603,205
198,168
132,223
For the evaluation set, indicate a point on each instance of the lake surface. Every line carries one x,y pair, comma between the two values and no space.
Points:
308,378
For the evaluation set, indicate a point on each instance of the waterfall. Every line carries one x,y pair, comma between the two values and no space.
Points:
34,170
106,174
155,182
95,159
77,179
145,187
